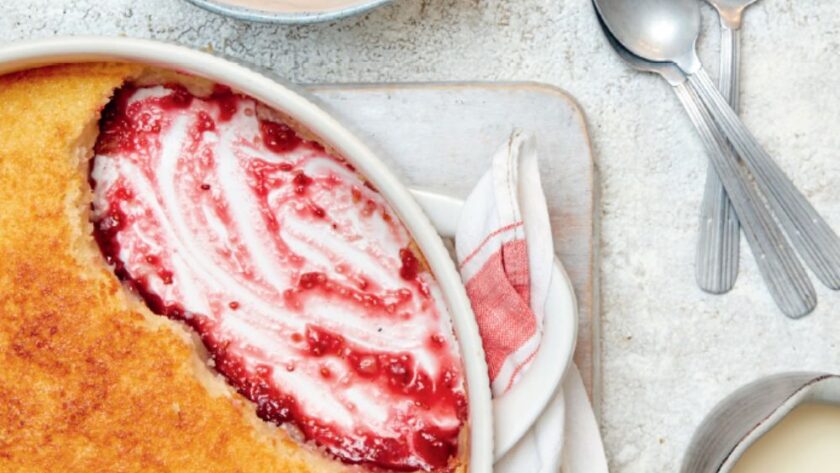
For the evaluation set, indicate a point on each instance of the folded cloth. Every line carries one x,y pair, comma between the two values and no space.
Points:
505,254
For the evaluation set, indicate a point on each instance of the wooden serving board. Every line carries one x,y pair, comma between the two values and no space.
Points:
441,137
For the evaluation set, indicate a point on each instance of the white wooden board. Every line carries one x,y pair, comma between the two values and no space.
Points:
441,137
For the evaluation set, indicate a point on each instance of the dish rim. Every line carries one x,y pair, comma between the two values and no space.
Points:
286,98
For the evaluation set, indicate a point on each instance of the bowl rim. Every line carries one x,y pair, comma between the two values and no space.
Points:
291,18
43,52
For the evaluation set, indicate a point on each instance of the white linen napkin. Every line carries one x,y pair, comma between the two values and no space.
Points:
505,254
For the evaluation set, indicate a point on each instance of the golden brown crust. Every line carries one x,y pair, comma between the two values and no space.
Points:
90,380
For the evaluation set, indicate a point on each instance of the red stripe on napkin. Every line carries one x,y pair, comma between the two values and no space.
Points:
516,371
487,240
500,294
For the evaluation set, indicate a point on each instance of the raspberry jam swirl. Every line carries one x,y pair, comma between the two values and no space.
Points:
297,275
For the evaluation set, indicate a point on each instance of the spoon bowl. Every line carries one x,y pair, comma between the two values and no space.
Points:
655,30
667,70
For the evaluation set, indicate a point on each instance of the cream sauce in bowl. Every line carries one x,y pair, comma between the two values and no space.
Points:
294,6
806,440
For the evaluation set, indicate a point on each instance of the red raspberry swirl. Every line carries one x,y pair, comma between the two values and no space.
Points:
297,275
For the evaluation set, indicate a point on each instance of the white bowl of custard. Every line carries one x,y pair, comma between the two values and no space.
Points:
785,423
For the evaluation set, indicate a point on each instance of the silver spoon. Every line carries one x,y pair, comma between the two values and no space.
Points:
783,273
719,242
666,31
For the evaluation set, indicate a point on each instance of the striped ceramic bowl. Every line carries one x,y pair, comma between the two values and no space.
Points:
289,11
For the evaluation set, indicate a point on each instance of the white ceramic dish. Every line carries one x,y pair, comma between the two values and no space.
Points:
515,412
31,54
289,11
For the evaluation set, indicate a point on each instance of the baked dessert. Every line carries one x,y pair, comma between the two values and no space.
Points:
190,281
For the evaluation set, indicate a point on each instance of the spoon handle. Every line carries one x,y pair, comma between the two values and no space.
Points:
813,238
783,273
730,59
719,240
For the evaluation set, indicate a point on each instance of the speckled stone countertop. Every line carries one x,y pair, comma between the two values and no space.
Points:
669,350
